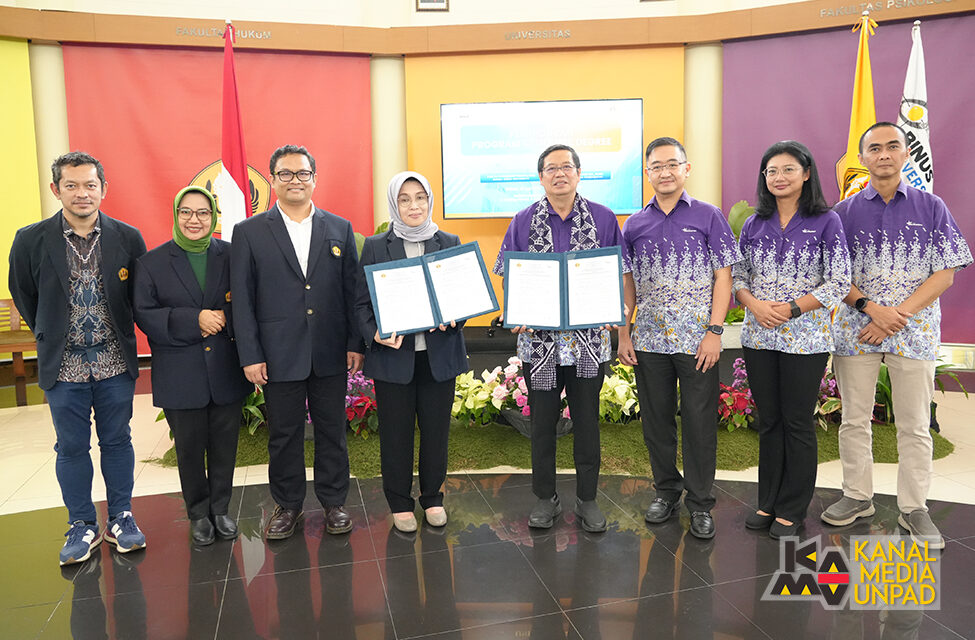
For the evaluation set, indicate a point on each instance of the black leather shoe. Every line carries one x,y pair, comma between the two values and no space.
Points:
661,510
337,520
201,530
282,523
591,517
779,530
225,526
702,525
758,521
543,515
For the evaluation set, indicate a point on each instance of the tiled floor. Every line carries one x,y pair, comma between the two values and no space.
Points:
486,575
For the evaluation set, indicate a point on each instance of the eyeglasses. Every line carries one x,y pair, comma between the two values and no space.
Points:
551,170
203,215
788,171
670,166
406,201
286,176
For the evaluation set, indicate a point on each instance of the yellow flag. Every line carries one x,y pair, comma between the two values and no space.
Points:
851,176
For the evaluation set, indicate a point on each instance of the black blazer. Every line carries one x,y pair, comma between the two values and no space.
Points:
39,285
445,349
296,324
188,370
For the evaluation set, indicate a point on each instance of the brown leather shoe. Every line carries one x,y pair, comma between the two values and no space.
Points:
282,523
337,520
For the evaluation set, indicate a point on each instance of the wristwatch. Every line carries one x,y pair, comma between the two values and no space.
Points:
861,304
795,311
716,329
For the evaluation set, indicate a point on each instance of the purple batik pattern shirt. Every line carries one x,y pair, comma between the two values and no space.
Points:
517,238
809,256
894,247
674,257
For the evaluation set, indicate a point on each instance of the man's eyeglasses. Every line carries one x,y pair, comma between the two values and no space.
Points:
788,171
670,166
406,201
286,176
551,170
203,215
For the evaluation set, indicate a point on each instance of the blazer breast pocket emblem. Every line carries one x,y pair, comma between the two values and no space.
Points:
123,274
337,251
227,297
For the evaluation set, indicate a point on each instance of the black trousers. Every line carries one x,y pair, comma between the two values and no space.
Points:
657,377
286,446
206,452
583,397
422,402
785,387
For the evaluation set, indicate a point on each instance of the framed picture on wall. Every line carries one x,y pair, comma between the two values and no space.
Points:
432,5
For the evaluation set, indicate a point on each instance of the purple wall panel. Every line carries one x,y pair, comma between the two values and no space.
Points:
800,87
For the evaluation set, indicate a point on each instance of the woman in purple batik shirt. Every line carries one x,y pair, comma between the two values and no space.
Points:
796,267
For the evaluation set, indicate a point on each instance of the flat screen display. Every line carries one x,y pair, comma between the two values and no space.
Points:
490,153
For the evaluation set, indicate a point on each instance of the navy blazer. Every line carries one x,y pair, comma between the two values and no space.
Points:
40,288
188,370
297,324
445,349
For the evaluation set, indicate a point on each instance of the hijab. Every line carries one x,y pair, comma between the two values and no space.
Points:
184,243
402,230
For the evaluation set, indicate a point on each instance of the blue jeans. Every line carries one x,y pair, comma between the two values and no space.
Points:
71,404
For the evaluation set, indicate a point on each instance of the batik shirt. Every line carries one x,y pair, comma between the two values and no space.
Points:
517,239
809,256
674,257
91,351
894,247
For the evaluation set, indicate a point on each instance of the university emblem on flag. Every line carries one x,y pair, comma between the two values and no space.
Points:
260,188
123,274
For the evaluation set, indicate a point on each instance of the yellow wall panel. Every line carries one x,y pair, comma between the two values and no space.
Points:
18,173
655,74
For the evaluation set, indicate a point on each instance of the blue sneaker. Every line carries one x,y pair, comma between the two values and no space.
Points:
81,539
124,533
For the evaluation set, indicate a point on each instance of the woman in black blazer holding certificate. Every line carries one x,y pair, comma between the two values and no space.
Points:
182,303
414,374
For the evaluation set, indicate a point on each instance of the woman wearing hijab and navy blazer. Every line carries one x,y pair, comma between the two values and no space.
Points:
182,303
414,374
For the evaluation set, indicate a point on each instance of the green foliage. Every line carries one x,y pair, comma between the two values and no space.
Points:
618,402
740,211
253,416
735,314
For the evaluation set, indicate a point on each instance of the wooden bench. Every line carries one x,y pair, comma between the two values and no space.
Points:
15,339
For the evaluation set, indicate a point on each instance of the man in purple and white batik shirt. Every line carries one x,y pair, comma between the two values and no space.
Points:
681,252
904,248
571,360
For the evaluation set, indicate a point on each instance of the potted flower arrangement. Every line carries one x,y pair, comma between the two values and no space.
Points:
360,405
736,408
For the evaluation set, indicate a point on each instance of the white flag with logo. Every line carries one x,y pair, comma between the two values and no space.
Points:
913,118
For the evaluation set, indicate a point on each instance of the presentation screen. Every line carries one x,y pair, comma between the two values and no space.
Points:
490,153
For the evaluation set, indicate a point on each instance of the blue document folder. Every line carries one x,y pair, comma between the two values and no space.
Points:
567,263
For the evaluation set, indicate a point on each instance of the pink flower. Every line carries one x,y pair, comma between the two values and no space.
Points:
522,385
499,393
511,370
526,410
565,413
521,401
514,360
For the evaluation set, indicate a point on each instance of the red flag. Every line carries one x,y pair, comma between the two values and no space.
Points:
231,186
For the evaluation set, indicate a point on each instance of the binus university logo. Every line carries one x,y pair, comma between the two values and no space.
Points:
260,188
879,572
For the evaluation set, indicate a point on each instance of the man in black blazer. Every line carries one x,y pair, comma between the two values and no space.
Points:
70,279
294,276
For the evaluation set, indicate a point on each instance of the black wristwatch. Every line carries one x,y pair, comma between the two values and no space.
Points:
795,311
716,329
861,304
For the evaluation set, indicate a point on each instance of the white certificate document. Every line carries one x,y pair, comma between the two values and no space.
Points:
594,290
460,287
533,293
402,300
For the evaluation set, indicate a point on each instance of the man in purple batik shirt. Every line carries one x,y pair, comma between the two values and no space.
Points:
681,251
904,248
570,360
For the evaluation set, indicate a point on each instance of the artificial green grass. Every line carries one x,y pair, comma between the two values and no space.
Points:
623,450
